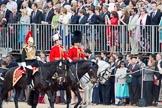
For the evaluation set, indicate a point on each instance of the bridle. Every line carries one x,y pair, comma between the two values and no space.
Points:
104,72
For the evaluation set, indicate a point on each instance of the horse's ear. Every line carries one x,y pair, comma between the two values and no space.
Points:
94,64
60,64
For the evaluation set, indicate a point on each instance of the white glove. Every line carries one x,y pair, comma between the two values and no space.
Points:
69,60
29,67
23,64
38,58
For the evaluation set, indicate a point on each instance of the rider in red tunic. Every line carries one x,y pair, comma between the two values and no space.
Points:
58,51
75,52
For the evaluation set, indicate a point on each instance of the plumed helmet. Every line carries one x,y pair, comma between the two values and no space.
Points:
30,39
76,37
56,37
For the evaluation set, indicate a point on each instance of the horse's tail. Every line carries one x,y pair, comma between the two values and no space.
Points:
4,94
31,97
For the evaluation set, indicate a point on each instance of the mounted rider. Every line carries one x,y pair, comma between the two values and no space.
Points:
75,52
58,51
29,52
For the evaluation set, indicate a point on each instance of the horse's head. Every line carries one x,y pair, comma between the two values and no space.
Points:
93,72
104,76
103,71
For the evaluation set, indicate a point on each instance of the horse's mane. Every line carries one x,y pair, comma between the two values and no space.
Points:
80,61
48,63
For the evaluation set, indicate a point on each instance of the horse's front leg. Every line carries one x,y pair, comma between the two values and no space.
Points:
77,93
51,97
87,91
68,97
35,99
17,91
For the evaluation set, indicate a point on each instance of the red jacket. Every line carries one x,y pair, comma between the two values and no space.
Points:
57,52
75,53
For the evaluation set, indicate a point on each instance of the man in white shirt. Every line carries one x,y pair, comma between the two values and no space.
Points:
132,30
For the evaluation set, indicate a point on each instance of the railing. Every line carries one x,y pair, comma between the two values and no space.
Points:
117,38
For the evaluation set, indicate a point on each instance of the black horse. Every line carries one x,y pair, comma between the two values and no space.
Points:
43,79
75,72
20,85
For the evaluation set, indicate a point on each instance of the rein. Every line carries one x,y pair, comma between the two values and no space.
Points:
105,72
77,72
84,76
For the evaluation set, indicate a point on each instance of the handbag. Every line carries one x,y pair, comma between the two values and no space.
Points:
130,34
128,79
141,102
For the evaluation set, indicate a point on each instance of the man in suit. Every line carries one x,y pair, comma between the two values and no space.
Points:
89,55
80,5
63,3
104,56
83,18
36,15
134,87
132,30
102,16
157,78
47,19
36,18
89,4
13,29
6,14
74,17
47,16
155,20
14,16
51,10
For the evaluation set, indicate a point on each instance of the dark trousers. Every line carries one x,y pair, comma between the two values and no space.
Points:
95,95
148,92
62,100
156,90
134,92
106,94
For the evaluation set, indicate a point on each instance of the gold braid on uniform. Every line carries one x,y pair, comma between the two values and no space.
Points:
30,53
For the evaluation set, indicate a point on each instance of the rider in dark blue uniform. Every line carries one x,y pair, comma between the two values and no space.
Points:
29,52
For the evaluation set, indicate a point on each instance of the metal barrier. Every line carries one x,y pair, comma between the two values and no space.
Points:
116,38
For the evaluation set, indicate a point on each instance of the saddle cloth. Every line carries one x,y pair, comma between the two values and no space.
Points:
17,75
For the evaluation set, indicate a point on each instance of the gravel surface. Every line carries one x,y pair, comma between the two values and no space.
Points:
24,105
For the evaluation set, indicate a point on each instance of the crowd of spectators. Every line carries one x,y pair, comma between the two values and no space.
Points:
104,12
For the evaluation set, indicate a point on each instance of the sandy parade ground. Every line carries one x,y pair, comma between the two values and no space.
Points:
24,105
